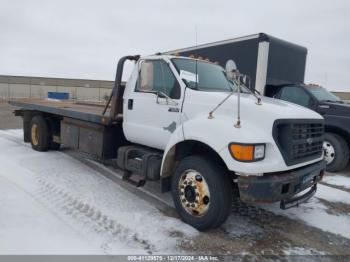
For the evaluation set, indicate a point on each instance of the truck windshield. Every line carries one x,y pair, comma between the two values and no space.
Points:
204,76
323,95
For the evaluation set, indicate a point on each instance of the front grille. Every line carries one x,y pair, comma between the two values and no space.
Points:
299,140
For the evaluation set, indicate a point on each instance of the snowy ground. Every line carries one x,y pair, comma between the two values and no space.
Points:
316,212
340,180
52,203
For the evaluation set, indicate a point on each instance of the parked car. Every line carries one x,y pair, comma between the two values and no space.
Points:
337,119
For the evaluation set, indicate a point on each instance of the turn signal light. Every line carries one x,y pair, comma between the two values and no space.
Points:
247,152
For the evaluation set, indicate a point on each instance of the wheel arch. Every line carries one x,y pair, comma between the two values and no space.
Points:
183,149
340,132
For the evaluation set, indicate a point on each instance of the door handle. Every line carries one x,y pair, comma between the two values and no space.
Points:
130,104
173,109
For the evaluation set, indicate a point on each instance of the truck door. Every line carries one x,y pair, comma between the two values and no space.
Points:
153,110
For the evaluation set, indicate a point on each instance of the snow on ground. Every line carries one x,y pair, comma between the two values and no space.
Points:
53,204
332,194
27,227
338,180
317,214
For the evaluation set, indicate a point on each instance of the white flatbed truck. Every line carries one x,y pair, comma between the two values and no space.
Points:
203,135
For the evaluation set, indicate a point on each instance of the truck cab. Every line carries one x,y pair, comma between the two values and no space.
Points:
336,114
168,105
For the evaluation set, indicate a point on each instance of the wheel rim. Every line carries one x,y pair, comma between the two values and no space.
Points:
329,152
194,193
35,134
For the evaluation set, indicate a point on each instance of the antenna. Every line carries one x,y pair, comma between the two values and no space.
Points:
238,123
196,33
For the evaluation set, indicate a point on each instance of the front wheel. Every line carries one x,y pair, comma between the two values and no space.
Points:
336,152
202,192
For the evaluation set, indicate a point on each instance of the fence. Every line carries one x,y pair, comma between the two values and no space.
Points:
12,87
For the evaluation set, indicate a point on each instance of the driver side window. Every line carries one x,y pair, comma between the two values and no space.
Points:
156,76
296,95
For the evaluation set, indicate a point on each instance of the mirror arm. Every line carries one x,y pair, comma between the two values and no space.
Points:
167,98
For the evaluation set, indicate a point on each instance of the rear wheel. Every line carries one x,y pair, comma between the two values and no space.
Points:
202,192
336,152
40,136
55,146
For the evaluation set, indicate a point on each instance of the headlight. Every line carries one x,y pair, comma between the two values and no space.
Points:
247,152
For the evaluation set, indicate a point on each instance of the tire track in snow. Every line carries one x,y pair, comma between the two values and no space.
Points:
83,217
90,217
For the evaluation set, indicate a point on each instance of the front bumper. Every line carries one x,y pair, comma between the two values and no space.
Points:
283,186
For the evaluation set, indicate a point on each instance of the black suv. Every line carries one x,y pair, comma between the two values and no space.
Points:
336,114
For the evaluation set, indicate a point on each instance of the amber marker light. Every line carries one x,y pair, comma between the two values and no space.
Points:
247,152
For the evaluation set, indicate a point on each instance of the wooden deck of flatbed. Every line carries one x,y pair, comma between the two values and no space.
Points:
91,112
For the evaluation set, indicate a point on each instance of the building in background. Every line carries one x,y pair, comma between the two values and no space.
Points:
38,87
343,95
80,89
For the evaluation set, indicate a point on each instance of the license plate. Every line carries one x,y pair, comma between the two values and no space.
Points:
308,178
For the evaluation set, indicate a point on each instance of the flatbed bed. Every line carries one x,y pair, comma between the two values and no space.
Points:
86,111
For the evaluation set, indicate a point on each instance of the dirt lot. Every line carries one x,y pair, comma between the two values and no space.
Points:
320,227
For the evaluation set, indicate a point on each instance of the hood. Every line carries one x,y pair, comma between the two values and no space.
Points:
270,108
338,109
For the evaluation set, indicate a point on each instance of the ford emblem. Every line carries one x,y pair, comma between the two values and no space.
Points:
309,141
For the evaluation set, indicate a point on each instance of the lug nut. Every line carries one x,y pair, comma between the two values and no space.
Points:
206,200
199,178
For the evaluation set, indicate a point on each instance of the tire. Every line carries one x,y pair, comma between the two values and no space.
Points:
336,152
40,135
55,146
212,188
